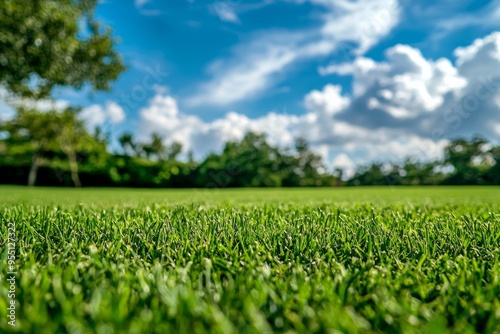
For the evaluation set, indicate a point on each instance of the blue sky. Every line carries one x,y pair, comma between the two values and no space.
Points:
361,80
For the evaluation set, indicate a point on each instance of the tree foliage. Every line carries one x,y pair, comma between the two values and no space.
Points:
253,162
44,43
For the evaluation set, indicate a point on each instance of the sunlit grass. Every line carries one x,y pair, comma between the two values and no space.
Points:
353,260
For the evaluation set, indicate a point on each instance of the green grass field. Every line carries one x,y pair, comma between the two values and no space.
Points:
354,260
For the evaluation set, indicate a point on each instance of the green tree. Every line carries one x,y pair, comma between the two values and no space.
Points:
310,165
419,172
372,174
38,131
253,162
494,172
48,43
174,150
155,148
469,159
129,145
241,164
46,133
44,43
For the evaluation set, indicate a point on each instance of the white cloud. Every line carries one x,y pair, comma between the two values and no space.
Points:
363,22
487,16
8,103
6,111
45,104
330,100
163,116
115,113
226,11
345,163
430,98
483,54
496,128
247,76
255,66
97,115
405,86
93,116
140,3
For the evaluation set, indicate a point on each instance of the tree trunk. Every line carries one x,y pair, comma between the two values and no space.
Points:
73,166
73,163
35,163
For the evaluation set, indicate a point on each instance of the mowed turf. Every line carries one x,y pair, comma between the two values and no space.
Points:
354,260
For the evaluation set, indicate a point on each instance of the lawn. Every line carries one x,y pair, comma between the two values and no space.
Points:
354,260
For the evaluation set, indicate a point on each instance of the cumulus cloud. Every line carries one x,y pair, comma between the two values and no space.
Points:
115,113
97,115
255,66
405,86
431,98
478,108
329,100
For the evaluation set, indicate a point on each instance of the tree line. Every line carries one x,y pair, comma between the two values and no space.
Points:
465,162
54,148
